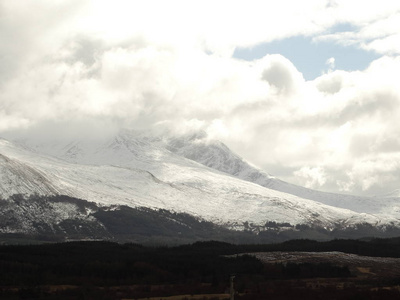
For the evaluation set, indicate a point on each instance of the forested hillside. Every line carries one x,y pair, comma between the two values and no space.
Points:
105,270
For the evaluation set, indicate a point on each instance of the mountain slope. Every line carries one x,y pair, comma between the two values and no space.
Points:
59,218
130,169
19,178
216,155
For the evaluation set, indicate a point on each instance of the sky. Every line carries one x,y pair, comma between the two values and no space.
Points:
306,90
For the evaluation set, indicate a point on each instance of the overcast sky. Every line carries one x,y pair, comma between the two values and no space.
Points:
307,90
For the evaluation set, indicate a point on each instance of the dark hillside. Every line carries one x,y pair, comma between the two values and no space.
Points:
106,270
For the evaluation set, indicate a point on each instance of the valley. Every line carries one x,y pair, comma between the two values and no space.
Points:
339,269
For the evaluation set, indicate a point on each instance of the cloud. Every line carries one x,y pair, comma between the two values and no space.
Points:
330,62
314,177
331,83
376,26
352,121
281,74
87,67
33,29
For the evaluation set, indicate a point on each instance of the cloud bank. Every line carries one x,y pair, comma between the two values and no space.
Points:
92,67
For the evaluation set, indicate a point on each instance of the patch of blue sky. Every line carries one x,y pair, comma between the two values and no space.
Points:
342,27
310,57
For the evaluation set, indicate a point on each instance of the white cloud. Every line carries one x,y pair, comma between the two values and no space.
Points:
104,65
281,74
314,177
330,62
376,26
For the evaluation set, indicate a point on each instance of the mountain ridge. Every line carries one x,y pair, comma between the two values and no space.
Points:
139,170
210,154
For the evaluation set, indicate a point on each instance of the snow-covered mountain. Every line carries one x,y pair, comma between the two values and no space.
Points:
187,174
218,156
